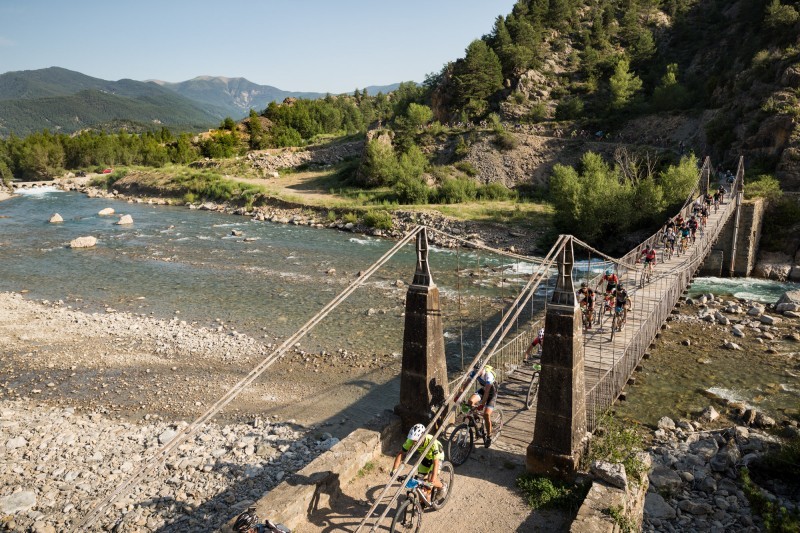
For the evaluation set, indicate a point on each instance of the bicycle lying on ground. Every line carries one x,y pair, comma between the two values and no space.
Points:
420,495
462,439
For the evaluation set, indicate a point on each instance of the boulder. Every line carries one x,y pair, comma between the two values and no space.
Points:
756,310
666,422
237,233
770,320
709,414
18,442
791,314
56,218
731,346
789,297
611,473
665,479
83,242
788,306
737,331
695,508
656,507
764,421
106,212
125,220
17,502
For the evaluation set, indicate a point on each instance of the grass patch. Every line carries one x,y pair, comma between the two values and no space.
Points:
544,493
378,218
350,218
365,470
776,519
616,443
617,514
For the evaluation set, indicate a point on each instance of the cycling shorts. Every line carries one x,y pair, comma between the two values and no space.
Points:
492,397
648,260
619,308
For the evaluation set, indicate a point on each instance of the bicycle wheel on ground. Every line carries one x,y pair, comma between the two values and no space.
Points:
614,322
447,476
459,445
408,516
497,423
533,390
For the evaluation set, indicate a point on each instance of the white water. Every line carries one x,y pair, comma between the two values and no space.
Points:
38,191
761,290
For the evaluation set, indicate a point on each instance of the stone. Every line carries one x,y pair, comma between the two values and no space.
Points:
611,473
124,220
770,320
791,314
17,502
666,422
56,218
19,442
83,242
237,233
731,346
709,414
708,485
781,308
737,331
764,421
789,297
686,342
166,436
106,212
755,310
695,508
656,507
665,479
705,448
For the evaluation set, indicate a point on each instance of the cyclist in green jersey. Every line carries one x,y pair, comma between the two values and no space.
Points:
432,461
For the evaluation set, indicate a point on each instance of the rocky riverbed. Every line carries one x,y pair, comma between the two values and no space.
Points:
86,398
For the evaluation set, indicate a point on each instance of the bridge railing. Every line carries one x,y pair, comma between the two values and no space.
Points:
609,385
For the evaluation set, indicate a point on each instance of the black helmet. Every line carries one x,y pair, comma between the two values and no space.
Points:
246,520
584,284
619,286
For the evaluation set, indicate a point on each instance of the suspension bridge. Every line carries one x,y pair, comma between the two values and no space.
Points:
583,372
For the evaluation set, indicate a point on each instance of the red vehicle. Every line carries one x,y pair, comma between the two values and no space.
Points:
107,171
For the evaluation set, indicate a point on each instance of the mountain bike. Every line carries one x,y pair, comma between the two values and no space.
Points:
604,310
647,273
586,315
462,439
420,495
533,388
620,315
668,250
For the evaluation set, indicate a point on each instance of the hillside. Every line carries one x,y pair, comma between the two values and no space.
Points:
238,95
66,101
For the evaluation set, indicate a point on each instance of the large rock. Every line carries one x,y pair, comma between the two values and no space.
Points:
665,479
56,218
19,501
695,508
656,507
769,320
124,220
106,212
83,242
790,297
611,473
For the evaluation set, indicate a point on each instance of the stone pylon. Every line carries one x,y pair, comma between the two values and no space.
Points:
423,378
559,435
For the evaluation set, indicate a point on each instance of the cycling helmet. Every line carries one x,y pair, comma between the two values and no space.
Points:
246,520
608,272
584,284
619,286
541,332
416,432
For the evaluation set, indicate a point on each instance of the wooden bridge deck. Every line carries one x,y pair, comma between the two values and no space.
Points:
600,351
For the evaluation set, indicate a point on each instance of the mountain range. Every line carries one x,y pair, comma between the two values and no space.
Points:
67,101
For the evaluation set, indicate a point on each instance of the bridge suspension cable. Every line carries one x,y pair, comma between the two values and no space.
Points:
149,466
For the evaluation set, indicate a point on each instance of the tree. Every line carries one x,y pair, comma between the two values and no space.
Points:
257,139
228,124
418,115
477,76
624,85
670,94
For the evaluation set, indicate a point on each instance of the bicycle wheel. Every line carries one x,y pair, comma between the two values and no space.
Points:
497,423
533,390
408,516
614,325
447,476
459,445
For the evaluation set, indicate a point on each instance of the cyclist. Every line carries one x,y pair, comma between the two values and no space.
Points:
697,205
432,461
622,305
247,522
536,342
586,296
708,199
685,232
721,192
486,396
669,239
611,280
704,215
692,226
649,257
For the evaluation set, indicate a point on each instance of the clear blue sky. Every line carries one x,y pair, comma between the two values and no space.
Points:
300,45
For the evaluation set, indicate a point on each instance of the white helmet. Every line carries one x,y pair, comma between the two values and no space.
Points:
541,332
416,432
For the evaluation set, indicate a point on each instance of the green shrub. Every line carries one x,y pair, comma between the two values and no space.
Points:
495,191
569,108
616,443
350,218
763,186
457,191
411,190
543,493
505,141
331,216
467,168
379,219
538,112
518,97
776,519
461,149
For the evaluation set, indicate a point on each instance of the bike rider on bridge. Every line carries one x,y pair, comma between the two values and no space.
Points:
485,397
432,461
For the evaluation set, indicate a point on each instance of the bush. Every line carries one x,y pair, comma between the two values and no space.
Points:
467,168
764,186
379,219
411,190
776,519
569,108
544,493
461,149
617,444
331,216
457,191
505,141
538,112
495,191
350,218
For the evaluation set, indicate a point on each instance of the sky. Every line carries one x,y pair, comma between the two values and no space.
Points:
299,45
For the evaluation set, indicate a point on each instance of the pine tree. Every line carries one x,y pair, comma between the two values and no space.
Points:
478,75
